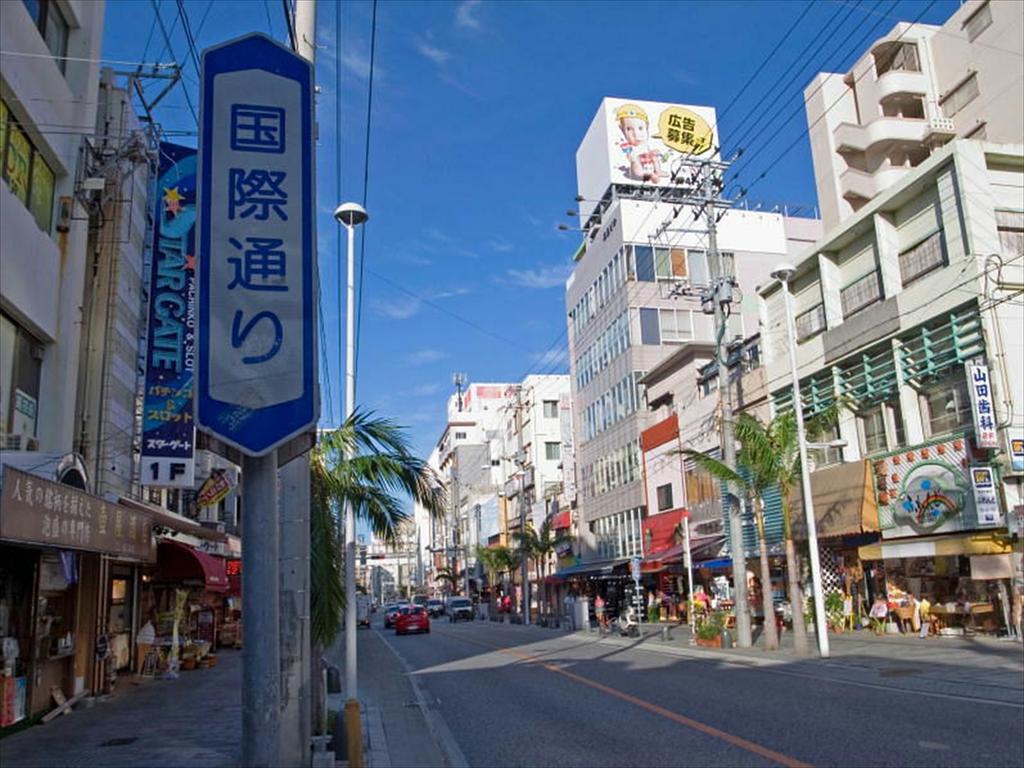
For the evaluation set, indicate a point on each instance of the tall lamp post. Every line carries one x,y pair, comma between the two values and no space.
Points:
784,273
351,215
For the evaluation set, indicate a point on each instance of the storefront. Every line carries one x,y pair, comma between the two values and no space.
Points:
56,544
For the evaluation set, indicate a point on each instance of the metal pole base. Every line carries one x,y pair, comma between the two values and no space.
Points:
354,734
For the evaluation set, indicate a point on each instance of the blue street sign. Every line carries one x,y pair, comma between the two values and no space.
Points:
257,281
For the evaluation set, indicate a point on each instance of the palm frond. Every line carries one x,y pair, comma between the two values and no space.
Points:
715,467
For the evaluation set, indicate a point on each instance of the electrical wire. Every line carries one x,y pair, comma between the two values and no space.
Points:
366,177
169,47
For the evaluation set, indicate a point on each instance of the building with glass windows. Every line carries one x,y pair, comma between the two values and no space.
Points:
632,298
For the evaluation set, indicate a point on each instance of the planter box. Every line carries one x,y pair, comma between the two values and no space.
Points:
713,643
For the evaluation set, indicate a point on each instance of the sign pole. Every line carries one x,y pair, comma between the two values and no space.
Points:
261,653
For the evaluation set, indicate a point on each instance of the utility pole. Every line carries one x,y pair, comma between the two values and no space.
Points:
295,640
521,461
720,293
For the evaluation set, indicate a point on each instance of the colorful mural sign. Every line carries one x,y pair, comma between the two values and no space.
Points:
927,490
168,432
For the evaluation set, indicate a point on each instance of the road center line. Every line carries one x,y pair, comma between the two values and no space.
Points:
710,730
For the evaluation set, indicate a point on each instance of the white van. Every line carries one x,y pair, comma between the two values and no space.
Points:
363,606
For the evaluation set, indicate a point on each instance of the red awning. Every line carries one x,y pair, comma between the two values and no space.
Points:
561,520
179,562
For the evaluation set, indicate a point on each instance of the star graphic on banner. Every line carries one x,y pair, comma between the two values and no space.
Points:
190,261
172,201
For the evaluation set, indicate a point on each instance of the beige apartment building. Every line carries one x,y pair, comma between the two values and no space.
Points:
914,90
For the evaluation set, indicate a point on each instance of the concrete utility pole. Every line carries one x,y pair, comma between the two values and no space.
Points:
296,725
720,293
521,462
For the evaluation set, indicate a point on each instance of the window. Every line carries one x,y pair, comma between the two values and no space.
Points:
649,333
697,267
552,451
644,256
460,435
979,21
810,323
1011,232
669,263
948,405
28,176
872,425
52,26
960,96
19,381
825,457
861,293
676,325
918,261
664,497
901,57
550,409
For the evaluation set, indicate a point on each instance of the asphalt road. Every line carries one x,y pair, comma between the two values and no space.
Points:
497,695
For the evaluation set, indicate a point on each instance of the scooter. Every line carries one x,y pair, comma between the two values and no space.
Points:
628,625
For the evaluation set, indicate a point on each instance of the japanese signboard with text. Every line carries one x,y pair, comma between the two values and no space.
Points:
39,511
985,498
979,384
168,430
257,291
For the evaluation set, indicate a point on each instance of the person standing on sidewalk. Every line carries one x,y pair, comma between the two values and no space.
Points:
599,612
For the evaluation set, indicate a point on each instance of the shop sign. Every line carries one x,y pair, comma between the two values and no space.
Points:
38,511
168,430
1017,454
216,488
218,548
25,409
986,500
979,384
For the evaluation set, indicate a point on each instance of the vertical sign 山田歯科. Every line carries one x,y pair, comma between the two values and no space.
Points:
257,294
979,385
168,430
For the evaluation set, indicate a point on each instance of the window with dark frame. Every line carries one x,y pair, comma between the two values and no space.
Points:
27,174
861,294
552,451
52,25
948,405
918,261
811,322
664,497
550,409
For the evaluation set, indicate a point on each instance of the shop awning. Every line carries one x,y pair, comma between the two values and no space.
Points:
174,522
932,546
720,563
561,520
180,562
844,501
602,567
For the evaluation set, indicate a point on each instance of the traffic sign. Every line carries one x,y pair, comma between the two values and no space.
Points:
634,568
257,366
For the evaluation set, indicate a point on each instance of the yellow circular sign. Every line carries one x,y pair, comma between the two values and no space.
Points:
685,131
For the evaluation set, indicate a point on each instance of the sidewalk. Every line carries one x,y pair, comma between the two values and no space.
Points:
192,722
982,668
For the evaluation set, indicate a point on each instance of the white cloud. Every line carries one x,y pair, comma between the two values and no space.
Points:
359,66
437,55
426,356
553,358
465,15
424,390
542,277
397,309
500,244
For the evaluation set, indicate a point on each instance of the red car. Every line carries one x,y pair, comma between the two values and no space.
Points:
412,619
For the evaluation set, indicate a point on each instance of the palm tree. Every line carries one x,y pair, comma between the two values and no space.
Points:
446,574
771,457
538,546
366,462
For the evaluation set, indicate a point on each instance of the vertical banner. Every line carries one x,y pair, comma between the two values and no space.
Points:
979,384
568,449
168,431
985,499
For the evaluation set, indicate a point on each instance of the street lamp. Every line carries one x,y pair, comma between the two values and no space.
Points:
351,215
784,273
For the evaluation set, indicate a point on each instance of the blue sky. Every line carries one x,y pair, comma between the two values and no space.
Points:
478,108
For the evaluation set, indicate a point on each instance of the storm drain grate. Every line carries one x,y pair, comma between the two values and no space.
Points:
120,742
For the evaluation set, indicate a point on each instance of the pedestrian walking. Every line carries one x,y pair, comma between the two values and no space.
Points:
599,612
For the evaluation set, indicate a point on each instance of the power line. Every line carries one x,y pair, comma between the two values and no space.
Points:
289,22
170,48
337,187
189,39
366,175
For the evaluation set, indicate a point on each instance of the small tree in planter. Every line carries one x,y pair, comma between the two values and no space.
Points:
709,630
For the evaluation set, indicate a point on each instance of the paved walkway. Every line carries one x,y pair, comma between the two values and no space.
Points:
193,722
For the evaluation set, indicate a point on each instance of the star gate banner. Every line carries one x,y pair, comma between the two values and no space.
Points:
168,432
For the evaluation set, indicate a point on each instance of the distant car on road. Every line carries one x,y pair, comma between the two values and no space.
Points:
435,607
363,611
391,612
460,608
413,618
420,600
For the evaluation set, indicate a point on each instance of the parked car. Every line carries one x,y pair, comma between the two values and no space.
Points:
435,607
391,613
460,608
413,618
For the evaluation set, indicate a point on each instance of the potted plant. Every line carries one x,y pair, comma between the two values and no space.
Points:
653,614
709,630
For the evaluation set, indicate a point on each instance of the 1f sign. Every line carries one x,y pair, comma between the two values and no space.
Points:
257,356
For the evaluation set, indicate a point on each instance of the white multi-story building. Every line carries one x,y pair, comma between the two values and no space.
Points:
49,81
915,89
626,309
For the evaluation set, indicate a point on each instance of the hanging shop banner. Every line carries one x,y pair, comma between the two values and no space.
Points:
168,432
217,487
979,384
42,512
986,500
1017,454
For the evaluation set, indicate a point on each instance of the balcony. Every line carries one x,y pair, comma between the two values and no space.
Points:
860,138
861,184
901,81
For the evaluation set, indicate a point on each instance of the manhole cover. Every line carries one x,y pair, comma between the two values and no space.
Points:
120,742
898,672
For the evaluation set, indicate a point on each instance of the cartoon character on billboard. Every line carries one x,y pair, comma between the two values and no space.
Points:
644,162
